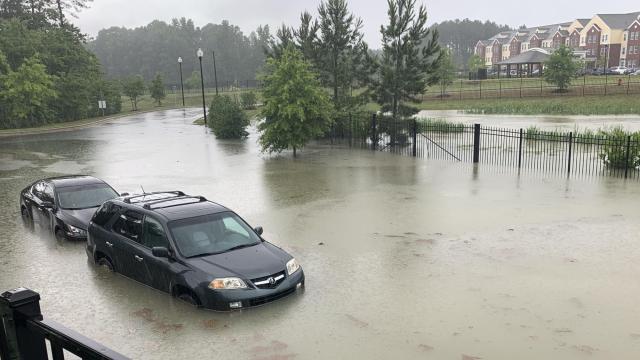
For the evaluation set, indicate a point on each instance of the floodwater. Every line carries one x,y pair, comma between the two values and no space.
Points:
405,258
549,122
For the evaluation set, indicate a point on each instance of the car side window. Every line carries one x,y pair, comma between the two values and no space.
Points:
129,225
153,234
47,194
105,213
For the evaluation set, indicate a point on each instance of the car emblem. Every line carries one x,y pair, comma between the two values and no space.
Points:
272,280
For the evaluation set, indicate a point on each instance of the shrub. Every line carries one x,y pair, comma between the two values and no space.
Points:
248,100
614,150
226,118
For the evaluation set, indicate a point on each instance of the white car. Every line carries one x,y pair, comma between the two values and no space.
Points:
620,70
636,73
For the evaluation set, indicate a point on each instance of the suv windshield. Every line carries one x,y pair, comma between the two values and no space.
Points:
85,196
212,234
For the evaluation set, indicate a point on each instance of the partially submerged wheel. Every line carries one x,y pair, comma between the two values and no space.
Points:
186,297
60,235
105,263
27,221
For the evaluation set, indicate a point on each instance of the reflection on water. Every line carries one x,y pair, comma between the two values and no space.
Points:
551,122
405,258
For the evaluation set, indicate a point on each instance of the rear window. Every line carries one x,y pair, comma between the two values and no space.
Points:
105,213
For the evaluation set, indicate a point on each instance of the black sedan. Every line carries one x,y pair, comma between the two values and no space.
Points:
64,205
194,249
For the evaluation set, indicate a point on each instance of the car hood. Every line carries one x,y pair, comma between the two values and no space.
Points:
78,218
248,263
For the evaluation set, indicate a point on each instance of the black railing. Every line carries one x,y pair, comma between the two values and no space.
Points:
24,333
586,154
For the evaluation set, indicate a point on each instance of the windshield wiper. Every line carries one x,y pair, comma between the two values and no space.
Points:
240,247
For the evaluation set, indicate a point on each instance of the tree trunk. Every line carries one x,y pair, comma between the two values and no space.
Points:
294,152
60,12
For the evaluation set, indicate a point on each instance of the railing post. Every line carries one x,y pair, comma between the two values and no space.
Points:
374,135
476,143
16,341
520,151
626,161
415,137
570,148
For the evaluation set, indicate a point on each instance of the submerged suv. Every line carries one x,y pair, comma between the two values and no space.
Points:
194,249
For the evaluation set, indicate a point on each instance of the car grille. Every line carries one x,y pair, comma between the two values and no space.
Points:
270,281
265,299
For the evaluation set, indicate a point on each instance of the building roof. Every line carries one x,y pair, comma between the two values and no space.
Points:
619,21
532,56
583,22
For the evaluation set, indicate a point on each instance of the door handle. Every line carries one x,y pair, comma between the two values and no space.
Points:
108,244
138,258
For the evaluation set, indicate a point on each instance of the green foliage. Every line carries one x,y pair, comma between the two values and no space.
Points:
410,57
248,99
475,63
157,89
614,150
461,37
155,47
446,70
26,95
193,81
226,118
133,87
561,68
296,108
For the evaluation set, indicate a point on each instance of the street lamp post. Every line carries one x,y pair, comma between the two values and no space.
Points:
204,107
181,83
215,71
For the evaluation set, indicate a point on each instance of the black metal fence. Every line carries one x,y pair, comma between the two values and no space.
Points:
584,154
24,333
523,87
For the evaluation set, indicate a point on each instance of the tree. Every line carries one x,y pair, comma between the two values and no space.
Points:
193,81
26,95
227,120
410,56
296,108
561,68
133,87
157,89
475,63
446,70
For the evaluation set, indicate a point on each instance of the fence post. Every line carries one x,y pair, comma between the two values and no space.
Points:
584,83
480,89
350,130
521,84
520,151
570,148
374,135
415,137
628,83
16,341
476,143
460,89
626,161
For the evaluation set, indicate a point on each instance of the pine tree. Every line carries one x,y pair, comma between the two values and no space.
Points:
410,57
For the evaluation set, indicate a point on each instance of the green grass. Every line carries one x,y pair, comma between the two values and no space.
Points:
588,105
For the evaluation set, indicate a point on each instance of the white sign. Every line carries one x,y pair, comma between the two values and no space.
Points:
102,104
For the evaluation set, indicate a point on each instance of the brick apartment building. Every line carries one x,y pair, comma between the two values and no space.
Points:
614,37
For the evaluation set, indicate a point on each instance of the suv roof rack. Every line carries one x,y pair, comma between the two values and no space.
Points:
148,205
176,193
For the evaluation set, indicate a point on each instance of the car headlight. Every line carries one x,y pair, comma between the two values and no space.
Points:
75,230
227,283
292,266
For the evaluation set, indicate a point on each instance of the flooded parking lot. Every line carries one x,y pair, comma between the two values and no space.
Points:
403,257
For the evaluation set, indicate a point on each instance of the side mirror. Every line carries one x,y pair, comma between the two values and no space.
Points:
160,251
124,194
258,230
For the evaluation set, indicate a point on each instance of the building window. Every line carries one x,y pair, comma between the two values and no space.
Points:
624,51
624,37
622,62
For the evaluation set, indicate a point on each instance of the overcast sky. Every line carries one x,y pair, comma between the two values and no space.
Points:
248,14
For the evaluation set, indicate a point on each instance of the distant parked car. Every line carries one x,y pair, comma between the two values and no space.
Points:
64,205
192,248
637,72
618,70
